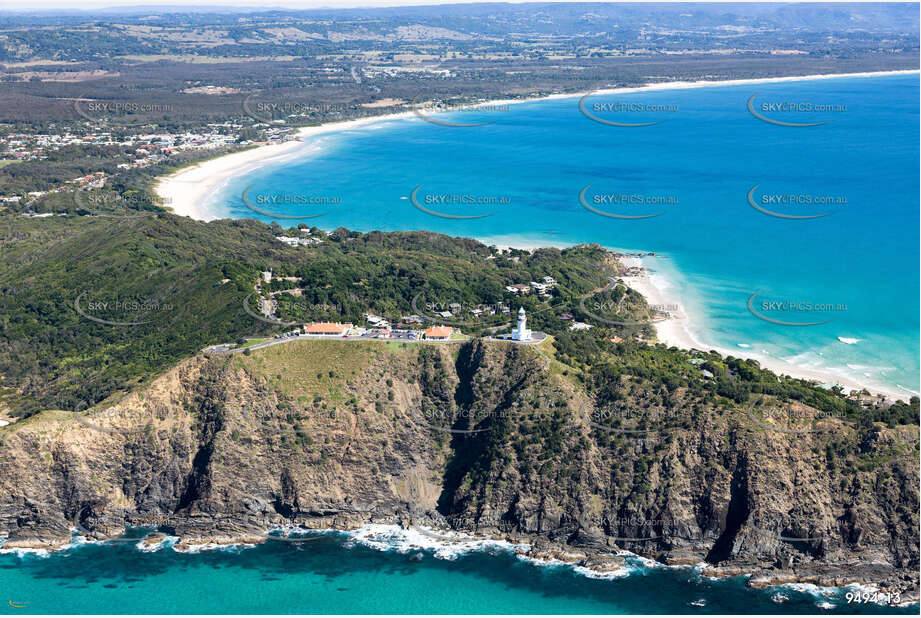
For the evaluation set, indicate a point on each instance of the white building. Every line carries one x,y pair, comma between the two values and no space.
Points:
521,333
296,241
374,320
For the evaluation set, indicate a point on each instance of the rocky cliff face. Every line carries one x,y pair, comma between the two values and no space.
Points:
491,438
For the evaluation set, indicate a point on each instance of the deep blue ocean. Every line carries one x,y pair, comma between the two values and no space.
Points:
337,576
855,270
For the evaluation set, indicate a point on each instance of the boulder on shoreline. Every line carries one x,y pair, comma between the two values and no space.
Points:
34,540
604,563
153,539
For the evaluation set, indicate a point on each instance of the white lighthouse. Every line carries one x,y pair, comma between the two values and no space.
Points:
521,333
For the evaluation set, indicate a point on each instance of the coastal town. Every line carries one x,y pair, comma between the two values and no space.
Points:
126,149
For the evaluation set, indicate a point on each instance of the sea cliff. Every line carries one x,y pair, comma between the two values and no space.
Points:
493,439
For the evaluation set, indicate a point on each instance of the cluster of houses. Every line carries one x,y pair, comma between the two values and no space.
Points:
26,147
380,327
454,309
148,148
864,399
377,327
542,287
155,148
95,180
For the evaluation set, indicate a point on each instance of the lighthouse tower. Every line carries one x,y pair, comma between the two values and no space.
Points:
521,333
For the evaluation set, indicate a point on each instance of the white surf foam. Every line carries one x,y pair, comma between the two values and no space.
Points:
445,545
21,553
779,598
620,573
167,542
197,549
449,545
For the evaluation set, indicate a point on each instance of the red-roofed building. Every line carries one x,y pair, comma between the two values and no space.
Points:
327,328
438,333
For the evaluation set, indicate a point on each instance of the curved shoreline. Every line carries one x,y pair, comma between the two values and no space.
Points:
186,190
675,331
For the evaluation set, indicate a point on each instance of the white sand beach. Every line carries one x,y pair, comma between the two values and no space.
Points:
741,82
186,191
676,331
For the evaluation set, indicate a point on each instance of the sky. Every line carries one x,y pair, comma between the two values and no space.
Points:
21,5
31,5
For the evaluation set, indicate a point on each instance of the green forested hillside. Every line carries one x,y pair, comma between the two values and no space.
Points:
89,305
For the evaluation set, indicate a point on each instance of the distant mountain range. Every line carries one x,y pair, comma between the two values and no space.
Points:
559,18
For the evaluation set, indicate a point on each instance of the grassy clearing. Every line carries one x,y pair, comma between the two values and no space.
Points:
547,350
251,341
310,368
398,346
42,422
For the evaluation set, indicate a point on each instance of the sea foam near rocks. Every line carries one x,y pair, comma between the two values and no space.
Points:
445,545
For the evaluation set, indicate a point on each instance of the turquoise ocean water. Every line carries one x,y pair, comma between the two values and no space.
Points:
855,270
336,575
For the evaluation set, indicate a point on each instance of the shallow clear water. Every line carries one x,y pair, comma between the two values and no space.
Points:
336,575
700,163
